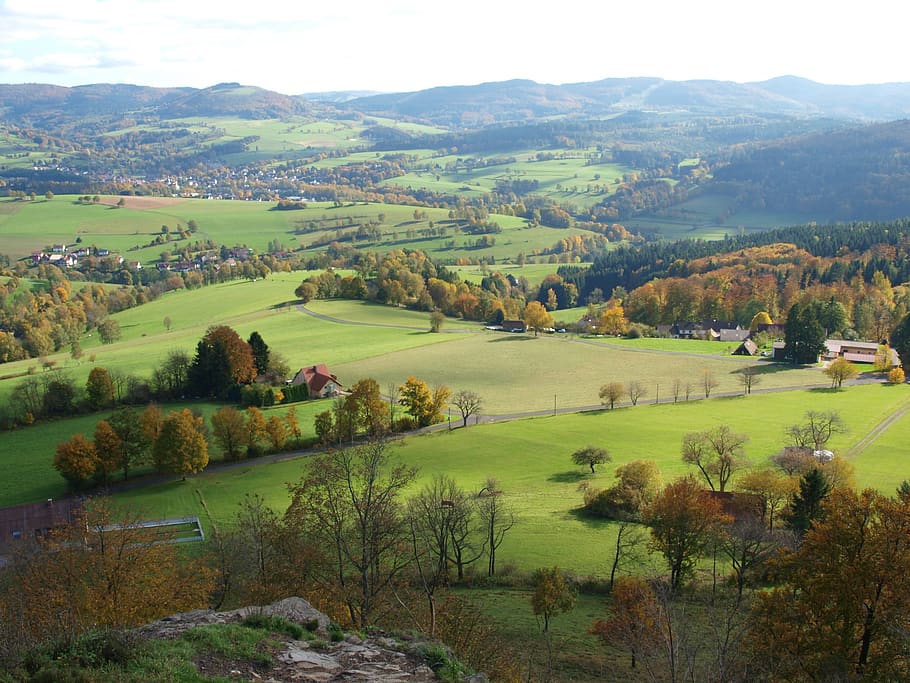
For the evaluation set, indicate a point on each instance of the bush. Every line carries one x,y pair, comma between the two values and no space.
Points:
405,424
443,663
294,393
276,624
896,376
336,633
258,395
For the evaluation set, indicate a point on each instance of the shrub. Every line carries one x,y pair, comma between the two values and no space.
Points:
336,633
258,395
276,624
896,376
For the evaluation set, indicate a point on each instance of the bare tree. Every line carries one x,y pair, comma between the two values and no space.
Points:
629,537
709,382
394,393
676,388
435,517
348,504
817,430
747,543
717,453
496,518
468,403
688,388
748,378
636,390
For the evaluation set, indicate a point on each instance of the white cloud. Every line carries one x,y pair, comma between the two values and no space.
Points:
412,44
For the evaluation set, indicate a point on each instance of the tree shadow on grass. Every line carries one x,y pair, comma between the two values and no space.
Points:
568,477
581,515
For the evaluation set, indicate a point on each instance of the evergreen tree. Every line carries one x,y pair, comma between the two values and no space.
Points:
900,340
806,506
260,353
209,374
804,336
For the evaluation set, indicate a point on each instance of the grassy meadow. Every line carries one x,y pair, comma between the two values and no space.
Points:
513,373
28,226
531,460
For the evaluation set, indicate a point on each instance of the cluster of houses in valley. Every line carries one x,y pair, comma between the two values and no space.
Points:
234,257
62,257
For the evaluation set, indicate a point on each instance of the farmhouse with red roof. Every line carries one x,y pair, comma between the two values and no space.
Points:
319,381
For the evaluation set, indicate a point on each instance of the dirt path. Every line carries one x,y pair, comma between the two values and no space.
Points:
878,430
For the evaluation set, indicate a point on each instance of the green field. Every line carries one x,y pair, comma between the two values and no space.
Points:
247,307
513,373
712,217
567,179
28,226
530,458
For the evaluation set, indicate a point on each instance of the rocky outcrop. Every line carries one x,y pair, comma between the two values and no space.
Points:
352,658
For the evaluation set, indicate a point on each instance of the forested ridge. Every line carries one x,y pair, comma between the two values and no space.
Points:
632,266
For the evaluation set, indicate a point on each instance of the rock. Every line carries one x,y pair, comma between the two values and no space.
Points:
373,659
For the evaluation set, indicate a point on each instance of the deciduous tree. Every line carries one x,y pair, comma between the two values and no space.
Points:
135,443
99,389
636,390
590,456
684,520
181,447
841,611
276,431
108,451
349,503
468,404
76,459
840,370
717,453
774,489
105,571
108,331
424,405
553,594
635,623
817,430
496,518
229,432
537,317
611,393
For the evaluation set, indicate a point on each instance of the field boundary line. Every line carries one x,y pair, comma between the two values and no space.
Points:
879,429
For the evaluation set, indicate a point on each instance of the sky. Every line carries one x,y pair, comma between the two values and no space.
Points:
296,47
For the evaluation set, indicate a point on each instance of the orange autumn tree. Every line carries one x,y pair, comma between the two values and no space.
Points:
102,570
635,623
684,519
841,611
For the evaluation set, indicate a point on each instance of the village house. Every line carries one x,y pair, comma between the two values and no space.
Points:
853,351
32,520
716,330
319,381
514,326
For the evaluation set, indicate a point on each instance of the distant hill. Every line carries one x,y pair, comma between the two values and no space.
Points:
49,106
521,100
52,107
858,173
